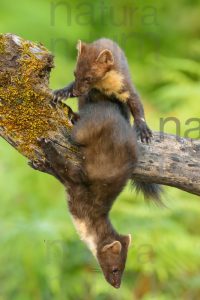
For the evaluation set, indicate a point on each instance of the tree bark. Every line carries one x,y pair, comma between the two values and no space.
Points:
172,161
39,130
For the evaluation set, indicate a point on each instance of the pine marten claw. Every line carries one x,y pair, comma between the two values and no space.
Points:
59,95
143,132
56,100
40,165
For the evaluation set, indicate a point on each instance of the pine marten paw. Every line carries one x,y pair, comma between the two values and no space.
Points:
59,95
41,165
143,131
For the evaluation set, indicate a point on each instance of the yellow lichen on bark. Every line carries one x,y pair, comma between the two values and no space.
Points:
25,110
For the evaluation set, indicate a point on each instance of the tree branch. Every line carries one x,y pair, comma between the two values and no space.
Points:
171,160
40,130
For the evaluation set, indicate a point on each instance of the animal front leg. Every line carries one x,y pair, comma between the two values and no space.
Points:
141,127
62,94
72,116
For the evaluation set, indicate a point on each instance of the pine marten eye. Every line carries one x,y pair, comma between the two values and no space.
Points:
115,271
87,79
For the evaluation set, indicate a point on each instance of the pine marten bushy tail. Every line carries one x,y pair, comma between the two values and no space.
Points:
151,191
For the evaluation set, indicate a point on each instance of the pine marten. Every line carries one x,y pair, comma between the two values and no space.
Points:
102,65
109,152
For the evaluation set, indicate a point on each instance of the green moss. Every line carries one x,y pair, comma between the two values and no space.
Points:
2,44
25,113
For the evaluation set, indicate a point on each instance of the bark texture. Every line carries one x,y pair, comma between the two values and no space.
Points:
171,160
41,131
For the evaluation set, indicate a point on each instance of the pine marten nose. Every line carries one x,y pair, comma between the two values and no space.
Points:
116,278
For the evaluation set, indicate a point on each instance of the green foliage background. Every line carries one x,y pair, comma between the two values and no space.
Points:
41,256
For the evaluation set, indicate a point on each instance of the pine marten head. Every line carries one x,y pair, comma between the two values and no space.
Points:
109,247
112,259
92,65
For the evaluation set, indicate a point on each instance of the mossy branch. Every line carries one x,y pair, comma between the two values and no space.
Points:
26,112
41,131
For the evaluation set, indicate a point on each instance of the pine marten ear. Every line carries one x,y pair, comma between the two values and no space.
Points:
105,56
80,47
126,239
115,247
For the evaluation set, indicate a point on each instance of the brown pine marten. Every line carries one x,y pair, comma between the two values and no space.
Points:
102,65
109,152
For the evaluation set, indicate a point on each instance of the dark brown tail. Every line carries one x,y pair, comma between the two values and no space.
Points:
151,191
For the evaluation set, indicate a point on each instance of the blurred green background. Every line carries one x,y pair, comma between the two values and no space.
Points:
41,256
